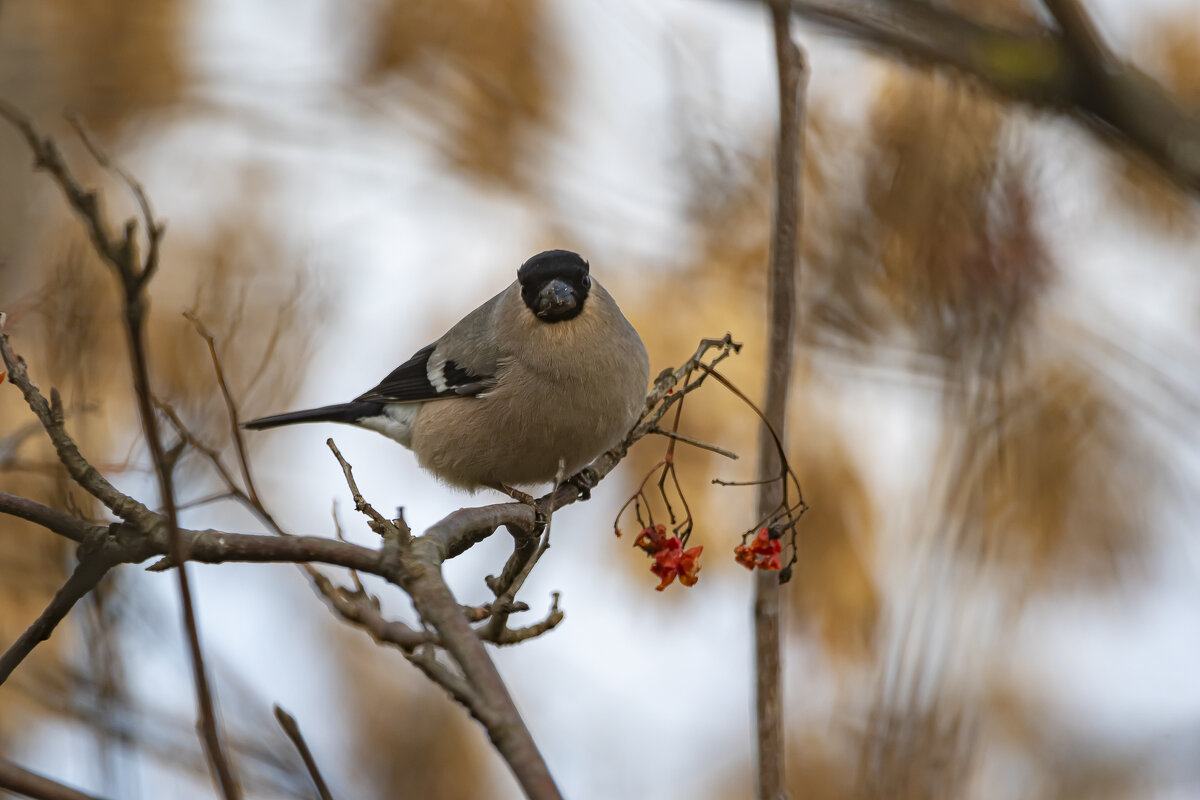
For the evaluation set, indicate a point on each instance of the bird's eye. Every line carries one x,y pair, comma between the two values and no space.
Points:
587,282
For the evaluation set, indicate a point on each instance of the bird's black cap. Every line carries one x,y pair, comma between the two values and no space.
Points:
551,264
554,285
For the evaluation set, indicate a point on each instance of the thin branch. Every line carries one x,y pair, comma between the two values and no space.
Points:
121,255
17,779
383,526
288,723
88,572
82,472
359,608
781,303
231,410
50,518
679,437
508,636
507,587
154,229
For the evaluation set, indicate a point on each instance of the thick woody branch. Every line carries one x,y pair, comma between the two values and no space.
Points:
1068,69
417,569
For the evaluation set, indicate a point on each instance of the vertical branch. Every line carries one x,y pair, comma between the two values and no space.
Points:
136,304
781,303
120,252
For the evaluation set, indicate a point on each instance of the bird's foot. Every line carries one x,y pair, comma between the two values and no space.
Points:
539,516
583,481
516,494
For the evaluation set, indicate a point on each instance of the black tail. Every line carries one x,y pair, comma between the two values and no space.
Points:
345,412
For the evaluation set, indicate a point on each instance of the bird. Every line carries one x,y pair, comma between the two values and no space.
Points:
532,385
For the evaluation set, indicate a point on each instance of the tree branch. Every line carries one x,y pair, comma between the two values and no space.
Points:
418,571
288,723
1069,70
781,303
88,572
50,518
29,784
121,254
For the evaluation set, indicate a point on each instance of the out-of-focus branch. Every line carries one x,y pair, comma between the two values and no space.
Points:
1069,70
88,572
29,784
120,252
292,729
781,305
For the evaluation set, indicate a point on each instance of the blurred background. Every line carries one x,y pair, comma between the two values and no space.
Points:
993,417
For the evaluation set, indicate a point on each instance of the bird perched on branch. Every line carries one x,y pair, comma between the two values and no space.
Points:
547,370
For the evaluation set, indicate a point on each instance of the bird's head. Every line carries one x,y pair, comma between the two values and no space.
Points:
554,285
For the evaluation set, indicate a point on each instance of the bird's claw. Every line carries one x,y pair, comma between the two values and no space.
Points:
516,494
583,481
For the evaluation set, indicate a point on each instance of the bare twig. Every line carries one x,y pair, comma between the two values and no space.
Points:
517,635
88,572
121,254
513,579
419,573
380,524
231,411
154,229
679,437
288,723
50,518
361,609
82,472
29,784
781,302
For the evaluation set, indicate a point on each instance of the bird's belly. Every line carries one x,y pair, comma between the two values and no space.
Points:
493,439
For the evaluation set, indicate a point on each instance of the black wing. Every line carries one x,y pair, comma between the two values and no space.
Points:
426,377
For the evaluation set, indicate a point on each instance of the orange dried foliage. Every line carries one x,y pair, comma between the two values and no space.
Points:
483,72
104,61
834,588
1051,484
817,769
959,261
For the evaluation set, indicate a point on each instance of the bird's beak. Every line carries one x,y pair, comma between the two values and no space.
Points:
556,299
